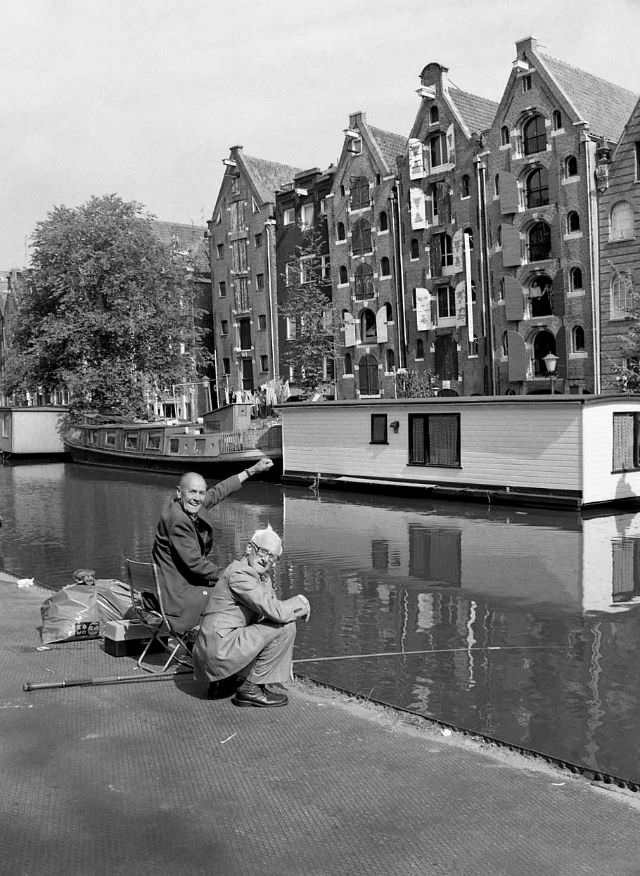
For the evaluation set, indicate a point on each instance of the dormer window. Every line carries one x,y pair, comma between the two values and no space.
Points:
434,115
526,83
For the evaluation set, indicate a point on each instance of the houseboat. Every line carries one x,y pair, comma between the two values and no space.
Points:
563,450
31,433
226,442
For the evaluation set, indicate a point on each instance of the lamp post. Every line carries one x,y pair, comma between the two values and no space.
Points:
551,362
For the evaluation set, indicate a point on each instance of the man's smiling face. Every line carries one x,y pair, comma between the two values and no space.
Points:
191,493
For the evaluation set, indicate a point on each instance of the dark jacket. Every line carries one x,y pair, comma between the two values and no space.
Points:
180,551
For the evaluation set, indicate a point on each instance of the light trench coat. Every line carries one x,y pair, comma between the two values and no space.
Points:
238,622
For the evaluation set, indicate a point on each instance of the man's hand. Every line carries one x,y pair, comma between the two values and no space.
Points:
263,464
307,605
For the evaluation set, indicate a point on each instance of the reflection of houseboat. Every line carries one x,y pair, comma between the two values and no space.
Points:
227,441
554,561
31,432
573,451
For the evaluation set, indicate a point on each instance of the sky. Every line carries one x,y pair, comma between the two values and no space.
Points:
144,98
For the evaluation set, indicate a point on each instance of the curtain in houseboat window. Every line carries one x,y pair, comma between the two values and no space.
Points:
443,439
624,452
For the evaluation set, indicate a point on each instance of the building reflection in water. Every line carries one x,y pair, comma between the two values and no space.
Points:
526,621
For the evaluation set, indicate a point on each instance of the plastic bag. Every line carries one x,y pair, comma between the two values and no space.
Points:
71,613
114,599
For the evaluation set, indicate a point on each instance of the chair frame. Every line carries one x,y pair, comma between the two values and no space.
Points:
162,628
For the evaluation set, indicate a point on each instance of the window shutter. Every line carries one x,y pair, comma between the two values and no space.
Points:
451,145
457,251
557,301
381,325
510,247
436,257
461,303
518,358
349,332
443,196
514,300
424,316
416,160
509,196
418,209
561,352
434,311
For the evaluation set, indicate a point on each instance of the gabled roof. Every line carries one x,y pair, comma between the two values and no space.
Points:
478,113
391,145
268,176
606,107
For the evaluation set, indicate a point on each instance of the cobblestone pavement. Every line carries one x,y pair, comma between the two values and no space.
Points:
153,778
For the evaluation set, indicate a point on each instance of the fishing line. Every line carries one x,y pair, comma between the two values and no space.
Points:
433,651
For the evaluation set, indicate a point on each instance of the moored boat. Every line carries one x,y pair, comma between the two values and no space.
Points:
227,441
31,433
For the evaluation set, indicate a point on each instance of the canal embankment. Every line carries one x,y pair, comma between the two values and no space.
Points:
152,778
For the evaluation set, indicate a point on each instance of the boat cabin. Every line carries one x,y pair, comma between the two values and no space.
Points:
31,432
573,451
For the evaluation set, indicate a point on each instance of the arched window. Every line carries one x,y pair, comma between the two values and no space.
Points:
368,376
383,221
340,232
419,349
466,186
504,135
363,282
344,276
359,193
368,329
621,295
384,267
571,166
391,360
576,279
505,344
438,149
469,232
446,357
557,120
539,242
573,222
543,343
534,135
540,296
415,249
348,367
577,339
434,114
361,237
621,221
537,188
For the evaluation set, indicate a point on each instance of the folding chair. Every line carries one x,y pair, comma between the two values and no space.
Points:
146,596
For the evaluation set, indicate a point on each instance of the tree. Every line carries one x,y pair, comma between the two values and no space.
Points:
415,384
309,312
627,375
108,312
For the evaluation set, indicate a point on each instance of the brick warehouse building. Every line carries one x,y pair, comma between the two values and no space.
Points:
301,223
243,269
618,182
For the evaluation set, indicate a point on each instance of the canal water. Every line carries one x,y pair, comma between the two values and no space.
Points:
520,625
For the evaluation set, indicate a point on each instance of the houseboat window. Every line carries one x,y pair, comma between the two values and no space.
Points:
434,439
626,455
200,444
379,429
92,436
110,439
153,440
5,426
174,445
131,441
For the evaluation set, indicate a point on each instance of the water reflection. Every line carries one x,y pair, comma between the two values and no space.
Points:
519,625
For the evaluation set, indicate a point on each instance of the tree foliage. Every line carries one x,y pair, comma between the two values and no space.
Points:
415,384
627,375
309,311
108,312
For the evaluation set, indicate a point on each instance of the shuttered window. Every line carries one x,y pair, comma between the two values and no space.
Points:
359,193
434,439
626,455
361,237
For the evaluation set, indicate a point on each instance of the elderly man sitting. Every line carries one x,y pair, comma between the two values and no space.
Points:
246,630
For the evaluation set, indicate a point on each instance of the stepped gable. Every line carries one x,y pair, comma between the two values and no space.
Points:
478,113
606,107
268,176
391,145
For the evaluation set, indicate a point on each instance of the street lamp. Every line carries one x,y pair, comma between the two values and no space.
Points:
551,362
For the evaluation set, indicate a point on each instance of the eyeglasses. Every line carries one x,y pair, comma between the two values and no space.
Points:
263,553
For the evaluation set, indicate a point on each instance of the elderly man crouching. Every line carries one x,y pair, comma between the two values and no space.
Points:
246,630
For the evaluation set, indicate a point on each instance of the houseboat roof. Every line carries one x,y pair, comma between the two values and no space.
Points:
465,401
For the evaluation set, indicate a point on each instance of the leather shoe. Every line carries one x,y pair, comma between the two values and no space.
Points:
258,695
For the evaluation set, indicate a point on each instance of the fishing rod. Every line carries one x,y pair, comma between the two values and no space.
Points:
112,679
432,651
